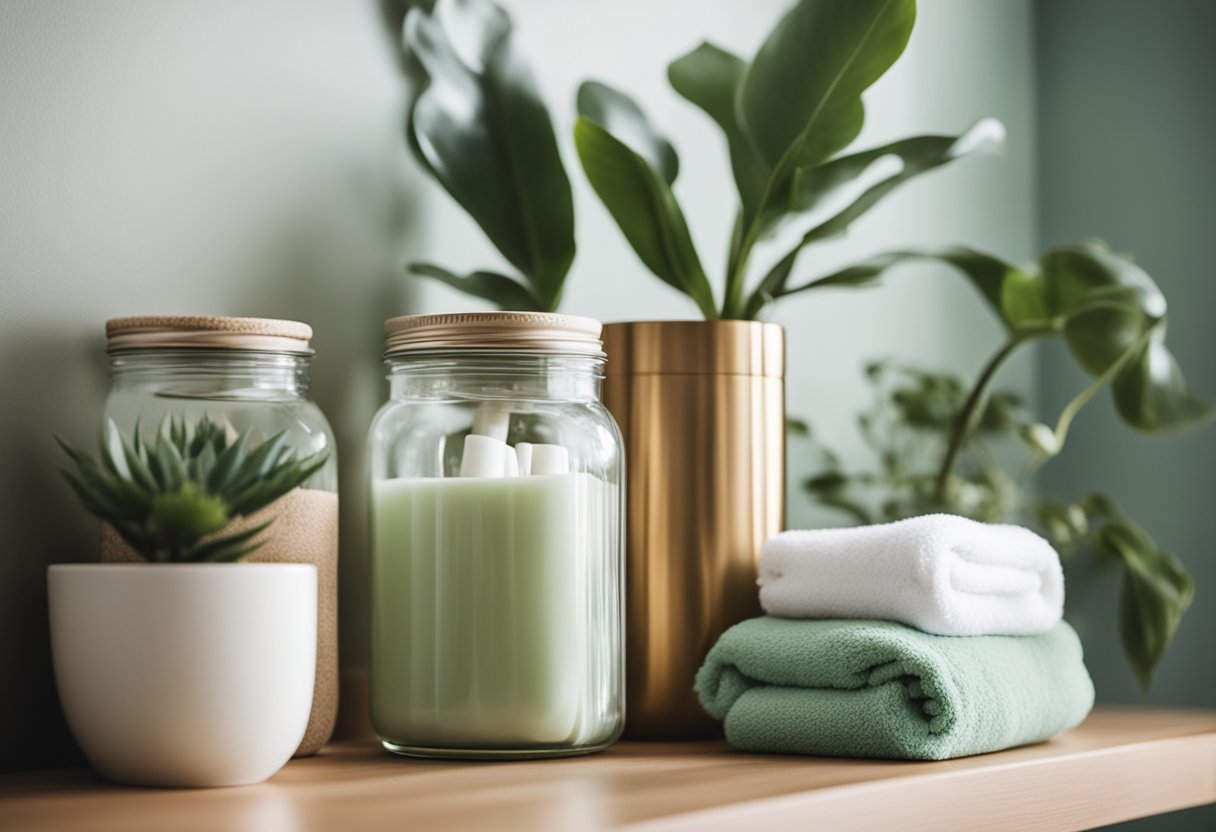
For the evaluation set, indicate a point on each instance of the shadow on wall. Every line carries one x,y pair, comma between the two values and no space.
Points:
326,247
344,279
346,292
44,527
393,13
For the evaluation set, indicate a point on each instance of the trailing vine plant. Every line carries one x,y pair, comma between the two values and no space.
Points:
933,434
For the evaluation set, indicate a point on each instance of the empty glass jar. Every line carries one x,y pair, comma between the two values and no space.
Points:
496,532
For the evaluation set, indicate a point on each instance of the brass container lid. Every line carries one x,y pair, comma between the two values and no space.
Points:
154,332
520,331
748,348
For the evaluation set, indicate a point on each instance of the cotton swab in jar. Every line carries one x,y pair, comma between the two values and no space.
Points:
492,420
510,466
523,453
484,457
549,459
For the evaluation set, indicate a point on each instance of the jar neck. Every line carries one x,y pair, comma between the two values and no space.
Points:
211,372
469,374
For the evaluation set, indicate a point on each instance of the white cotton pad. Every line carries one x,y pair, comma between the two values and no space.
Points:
483,457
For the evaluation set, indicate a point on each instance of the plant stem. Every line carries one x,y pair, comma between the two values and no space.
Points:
1070,411
964,422
736,272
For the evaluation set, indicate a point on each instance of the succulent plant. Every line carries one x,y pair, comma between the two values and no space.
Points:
169,498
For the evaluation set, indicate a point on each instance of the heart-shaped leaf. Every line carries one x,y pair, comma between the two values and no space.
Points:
1156,593
1080,275
480,127
1023,299
1103,334
801,94
1106,303
1151,394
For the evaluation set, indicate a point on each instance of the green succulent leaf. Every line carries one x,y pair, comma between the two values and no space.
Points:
170,462
201,461
709,77
481,129
505,292
800,98
620,116
135,456
262,458
645,209
227,464
171,499
228,548
186,514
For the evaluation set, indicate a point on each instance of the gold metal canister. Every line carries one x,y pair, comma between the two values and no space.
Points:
701,405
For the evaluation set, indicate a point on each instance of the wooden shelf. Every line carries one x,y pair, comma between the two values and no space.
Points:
1121,764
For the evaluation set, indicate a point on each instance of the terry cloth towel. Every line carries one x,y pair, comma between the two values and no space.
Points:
939,573
880,689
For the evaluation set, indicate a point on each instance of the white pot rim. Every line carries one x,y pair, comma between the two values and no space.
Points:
178,567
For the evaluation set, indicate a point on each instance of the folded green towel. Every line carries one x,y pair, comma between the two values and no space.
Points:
880,689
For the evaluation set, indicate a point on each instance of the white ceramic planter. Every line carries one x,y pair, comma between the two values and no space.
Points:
185,674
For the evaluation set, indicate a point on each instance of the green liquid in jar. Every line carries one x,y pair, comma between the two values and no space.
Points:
484,611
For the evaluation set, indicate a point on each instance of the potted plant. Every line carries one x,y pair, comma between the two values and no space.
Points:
934,434
189,669
700,402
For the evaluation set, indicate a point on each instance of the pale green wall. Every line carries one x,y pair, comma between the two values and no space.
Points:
246,158
1127,117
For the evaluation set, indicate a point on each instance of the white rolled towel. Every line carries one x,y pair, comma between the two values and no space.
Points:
939,573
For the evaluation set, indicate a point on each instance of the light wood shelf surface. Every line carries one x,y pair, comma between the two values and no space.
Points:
1121,764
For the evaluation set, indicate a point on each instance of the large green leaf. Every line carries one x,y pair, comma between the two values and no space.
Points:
801,94
645,209
480,127
1114,321
1151,393
499,289
1080,275
183,516
709,77
985,272
620,115
852,185
1156,593
1108,310
1106,302
843,182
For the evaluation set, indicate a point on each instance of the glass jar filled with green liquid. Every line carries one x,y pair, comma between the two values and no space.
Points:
496,540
